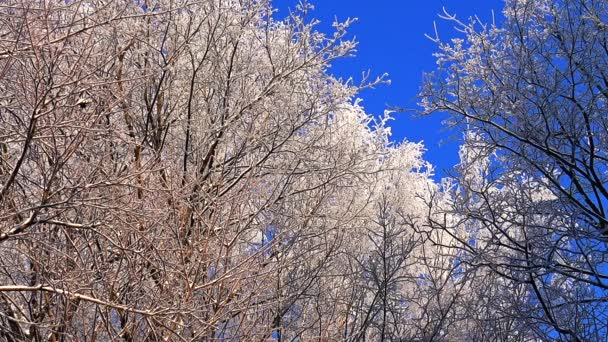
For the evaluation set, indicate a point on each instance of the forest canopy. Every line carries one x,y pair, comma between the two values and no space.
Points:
186,170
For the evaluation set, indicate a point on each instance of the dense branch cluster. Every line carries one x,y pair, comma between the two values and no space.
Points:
188,170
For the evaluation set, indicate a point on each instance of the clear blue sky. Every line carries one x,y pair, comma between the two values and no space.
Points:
391,39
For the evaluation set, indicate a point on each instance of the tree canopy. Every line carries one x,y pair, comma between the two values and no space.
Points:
185,170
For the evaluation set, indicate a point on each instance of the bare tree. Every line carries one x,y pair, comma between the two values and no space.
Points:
380,302
532,193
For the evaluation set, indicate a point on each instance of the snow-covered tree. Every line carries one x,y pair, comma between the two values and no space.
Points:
188,170
530,93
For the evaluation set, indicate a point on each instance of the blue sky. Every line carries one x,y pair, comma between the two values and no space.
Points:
391,39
